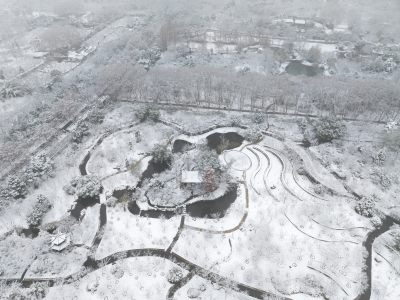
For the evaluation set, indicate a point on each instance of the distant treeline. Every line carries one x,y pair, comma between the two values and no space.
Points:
371,99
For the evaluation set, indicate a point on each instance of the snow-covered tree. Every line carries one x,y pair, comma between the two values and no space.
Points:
207,160
252,134
209,180
161,154
366,206
328,128
13,90
41,207
80,132
16,187
147,113
258,118
40,167
85,187
174,275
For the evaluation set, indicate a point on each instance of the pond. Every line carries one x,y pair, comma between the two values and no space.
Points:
181,146
208,209
224,141
299,68
83,203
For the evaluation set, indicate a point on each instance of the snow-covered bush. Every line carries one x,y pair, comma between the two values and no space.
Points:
323,130
84,187
13,90
117,271
80,132
258,118
236,121
313,55
374,66
41,207
96,117
327,129
380,157
193,293
252,134
174,275
111,201
150,57
161,154
380,178
40,167
207,160
209,180
365,206
16,188
147,113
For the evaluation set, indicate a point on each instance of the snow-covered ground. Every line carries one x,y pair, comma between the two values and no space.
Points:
287,240
284,234
126,231
133,278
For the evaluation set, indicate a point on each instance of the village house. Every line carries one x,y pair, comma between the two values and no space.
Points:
191,179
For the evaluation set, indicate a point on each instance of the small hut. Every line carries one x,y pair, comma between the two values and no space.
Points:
60,241
191,179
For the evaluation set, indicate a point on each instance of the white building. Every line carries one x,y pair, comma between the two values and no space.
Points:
191,179
60,241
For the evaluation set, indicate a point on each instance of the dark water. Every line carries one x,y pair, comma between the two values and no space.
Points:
224,141
181,146
123,194
82,204
387,222
31,232
298,68
82,165
152,168
212,209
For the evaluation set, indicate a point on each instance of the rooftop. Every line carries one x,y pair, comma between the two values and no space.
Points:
191,177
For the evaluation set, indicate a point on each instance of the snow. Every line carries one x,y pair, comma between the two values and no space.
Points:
84,232
233,218
142,278
17,253
283,236
237,160
121,147
126,231
55,264
191,177
208,290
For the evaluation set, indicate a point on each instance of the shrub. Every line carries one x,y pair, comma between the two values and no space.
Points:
150,57
174,275
327,129
253,134
38,290
13,90
16,188
258,118
313,55
40,167
375,66
207,160
209,180
146,113
96,117
41,207
236,121
84,187
365,206
161,154
80,132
